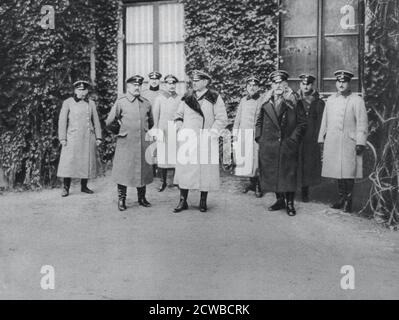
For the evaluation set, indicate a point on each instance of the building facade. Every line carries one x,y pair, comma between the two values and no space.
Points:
316,36
152,39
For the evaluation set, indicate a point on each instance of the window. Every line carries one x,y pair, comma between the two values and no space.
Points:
320,37
154,40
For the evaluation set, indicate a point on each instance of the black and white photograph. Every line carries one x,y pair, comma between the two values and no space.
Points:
187,150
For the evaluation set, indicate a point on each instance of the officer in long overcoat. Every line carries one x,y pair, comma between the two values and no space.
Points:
343,136
246,150
200,118
132,164
151,93
154,89
280,127
309,166
79,132
164,111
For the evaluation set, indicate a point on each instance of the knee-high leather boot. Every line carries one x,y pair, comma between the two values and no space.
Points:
141,191
182,202
258,190
290,196
251,186
341,194
349,184
164,174
279,204
84,188
203,206
66,186
122,192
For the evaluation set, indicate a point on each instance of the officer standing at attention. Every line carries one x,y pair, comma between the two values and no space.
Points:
164,110
244,123
343,136
279,130
309,166
79,132
153,91
130,166
201,112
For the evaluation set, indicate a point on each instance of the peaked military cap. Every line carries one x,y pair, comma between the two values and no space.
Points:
200,75
137,79
155,75
343,75
81,84
252,79
170,78
279,75
307,78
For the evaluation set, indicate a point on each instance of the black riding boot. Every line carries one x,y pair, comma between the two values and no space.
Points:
164,175
258,190
67,185
349,184
122,191
251,186
141,197
290,203
203,206
183,201
341,193
279,204
305,194
84,188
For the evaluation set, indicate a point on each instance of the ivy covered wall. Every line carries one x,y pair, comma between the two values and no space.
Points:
231,40
382,99
37,67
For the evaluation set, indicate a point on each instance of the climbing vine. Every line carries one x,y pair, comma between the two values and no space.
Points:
37,67
382,97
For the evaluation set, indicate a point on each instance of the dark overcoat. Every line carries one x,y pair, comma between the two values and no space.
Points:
309,166
279,136
132,165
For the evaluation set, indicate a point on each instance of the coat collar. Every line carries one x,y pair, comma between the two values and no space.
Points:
192,102
256,96
131,97
314,96
86,99
345,95
168,95
271,111
210,96
154,88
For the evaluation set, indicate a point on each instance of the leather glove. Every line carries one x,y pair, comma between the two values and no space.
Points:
360,150
321,145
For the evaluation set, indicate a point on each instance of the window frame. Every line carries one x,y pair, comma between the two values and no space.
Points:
320,39
156,34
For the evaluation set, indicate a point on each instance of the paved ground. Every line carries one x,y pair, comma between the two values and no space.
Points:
235,251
